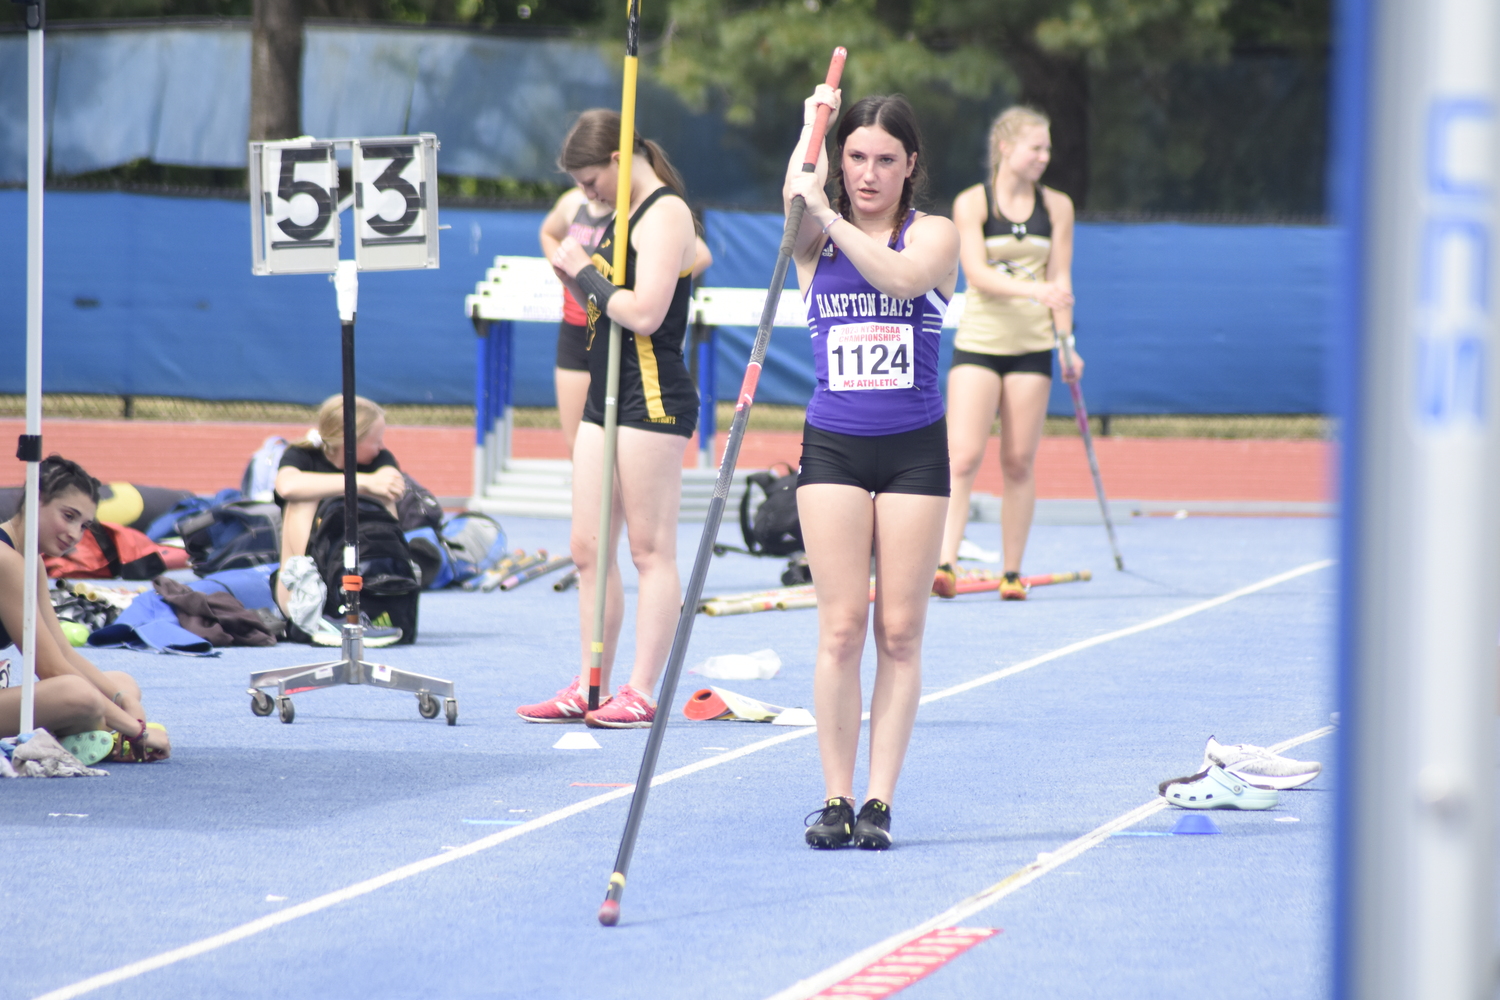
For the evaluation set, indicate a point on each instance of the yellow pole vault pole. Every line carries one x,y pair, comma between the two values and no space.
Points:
612,373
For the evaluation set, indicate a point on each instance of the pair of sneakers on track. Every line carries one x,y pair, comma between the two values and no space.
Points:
945,584
838,826
627,709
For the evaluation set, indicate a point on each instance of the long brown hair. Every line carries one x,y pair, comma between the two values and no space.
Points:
596,135
894,116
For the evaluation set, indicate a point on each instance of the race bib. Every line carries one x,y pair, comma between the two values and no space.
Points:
870,356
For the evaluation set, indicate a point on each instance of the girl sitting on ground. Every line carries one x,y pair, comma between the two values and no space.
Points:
312,470
72,696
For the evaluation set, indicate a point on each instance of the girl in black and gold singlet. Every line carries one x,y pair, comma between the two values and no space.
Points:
1016,249
657,393
658,407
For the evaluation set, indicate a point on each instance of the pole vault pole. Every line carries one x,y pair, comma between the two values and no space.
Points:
29,448
1081,415
609,910
612,372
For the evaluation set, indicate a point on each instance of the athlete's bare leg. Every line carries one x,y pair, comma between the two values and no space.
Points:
908,532
973,401
572,392
588,465
1023,416
650,482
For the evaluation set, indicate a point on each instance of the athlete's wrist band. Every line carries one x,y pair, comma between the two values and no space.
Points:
596,286
836,217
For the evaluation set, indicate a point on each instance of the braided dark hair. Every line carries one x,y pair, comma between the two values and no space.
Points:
58,475
894,116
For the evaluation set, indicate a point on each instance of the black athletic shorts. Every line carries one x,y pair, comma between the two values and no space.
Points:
909,462
572,347
1035,363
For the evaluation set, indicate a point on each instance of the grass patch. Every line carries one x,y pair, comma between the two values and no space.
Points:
764,417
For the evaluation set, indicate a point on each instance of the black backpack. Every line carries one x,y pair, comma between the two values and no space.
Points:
233,535
768,514
418,508
391,582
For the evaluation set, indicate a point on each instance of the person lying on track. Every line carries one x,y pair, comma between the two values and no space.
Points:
313,471
658,412
72,696
587,222
1002,356
877,277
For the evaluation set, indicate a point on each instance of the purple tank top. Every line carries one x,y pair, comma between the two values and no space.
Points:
876,357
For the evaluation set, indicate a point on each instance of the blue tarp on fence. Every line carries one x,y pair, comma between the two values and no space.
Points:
499,106
154,296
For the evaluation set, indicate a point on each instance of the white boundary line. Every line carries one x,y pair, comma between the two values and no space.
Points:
1016,880
358,889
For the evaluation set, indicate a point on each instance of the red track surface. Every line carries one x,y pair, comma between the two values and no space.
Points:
205,457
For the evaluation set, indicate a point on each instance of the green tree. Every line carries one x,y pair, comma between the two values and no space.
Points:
764,53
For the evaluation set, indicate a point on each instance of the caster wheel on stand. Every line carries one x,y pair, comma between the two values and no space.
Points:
450,710
261,704
288,712
427,705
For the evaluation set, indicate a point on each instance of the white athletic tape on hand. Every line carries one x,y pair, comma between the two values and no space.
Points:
358,889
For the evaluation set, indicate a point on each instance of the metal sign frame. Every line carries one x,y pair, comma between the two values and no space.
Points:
281,245
408,177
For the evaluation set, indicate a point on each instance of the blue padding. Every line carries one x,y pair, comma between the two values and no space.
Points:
154,296
1172,318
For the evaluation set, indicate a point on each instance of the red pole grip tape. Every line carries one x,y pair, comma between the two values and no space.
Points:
747,387
820,124
353,584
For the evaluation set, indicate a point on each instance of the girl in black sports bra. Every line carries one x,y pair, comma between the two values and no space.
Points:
658,407
1019,301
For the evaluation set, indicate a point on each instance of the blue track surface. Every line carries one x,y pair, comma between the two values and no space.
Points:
724,899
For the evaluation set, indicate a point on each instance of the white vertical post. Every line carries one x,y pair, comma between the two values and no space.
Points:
36,164
1422,605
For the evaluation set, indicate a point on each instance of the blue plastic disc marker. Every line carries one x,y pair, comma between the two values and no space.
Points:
1195,822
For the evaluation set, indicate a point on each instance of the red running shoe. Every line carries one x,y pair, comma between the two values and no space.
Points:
626,710
568,705
945,581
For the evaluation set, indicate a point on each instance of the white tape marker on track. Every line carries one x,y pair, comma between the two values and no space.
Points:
358,889
851,966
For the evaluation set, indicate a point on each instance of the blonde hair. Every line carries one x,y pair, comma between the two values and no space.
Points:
1008,128
331,423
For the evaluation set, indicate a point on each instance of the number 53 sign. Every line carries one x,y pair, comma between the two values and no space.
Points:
294,204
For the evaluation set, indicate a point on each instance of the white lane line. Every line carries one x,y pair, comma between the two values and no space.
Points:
1145,626
358,889
1016,880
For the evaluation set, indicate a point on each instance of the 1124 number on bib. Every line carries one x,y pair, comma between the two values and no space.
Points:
870,356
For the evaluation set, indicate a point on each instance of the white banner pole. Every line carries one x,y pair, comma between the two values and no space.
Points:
31,444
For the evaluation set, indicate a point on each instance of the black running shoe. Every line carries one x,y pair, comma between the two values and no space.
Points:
872,831
834,825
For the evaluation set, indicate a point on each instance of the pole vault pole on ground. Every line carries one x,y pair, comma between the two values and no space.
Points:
29,448
612,372
609,910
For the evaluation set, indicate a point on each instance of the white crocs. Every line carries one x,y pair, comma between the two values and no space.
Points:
1215,788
